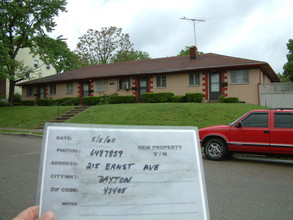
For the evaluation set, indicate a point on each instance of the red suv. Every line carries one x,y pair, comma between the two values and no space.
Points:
258,131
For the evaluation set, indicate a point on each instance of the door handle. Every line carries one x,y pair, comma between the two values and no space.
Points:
266,132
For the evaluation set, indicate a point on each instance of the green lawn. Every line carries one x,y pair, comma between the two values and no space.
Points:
168,114
28,117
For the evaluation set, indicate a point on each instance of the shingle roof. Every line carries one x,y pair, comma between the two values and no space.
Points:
208,61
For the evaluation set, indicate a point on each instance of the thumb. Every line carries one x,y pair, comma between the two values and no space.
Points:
48,216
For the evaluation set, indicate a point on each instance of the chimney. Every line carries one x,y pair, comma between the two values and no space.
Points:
193,52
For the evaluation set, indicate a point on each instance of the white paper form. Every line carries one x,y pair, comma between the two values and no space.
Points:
122,172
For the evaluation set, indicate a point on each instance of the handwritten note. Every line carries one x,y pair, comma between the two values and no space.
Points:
122,172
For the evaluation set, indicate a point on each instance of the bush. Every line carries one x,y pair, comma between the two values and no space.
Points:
231,100
91,100
194,97
4,103
28,102
178,98
116,99
68,101
157,97
17,98
221,98
46,102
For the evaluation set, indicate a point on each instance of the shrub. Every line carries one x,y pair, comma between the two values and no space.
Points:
46,102
221,98
231,100
157,97
68,101
178,98
116,99
4,103
104,100
91,100
17,98
28,102
194,97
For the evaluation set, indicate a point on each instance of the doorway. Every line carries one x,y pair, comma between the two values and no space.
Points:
215,86
41,92
142,87
85,89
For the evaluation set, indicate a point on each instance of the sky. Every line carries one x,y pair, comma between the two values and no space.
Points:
251,29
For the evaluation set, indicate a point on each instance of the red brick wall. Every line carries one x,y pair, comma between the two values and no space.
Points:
205,84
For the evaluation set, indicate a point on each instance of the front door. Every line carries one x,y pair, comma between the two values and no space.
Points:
42,92
215,86
85,89
142,87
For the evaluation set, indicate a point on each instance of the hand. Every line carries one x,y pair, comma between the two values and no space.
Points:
31,213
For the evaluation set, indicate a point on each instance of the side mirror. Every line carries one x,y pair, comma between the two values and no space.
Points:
239,124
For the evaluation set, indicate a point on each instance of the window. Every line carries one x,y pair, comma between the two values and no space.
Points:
27,71
256,120
53,89
161,81
194,79
124,83
30,91
239,77
283,120
69,88
36,63
101,85
48,66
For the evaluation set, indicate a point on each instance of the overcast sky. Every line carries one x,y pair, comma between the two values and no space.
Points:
252,29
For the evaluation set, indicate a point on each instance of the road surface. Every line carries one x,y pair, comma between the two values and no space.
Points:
236,188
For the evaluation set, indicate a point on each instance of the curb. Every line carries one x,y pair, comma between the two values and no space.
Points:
22,134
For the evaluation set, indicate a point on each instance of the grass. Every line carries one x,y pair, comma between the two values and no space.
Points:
165,114
28,117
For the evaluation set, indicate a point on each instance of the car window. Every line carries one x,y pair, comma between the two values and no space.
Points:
256,120
283,120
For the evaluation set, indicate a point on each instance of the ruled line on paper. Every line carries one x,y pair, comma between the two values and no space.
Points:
143,204
141,214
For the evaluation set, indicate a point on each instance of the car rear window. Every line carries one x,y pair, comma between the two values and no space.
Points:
283,120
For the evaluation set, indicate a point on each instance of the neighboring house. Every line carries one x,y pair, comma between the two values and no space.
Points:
40,69
211,74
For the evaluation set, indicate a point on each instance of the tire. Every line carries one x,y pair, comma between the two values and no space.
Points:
215,149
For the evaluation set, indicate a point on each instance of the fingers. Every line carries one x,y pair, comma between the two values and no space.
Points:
48,216
30,213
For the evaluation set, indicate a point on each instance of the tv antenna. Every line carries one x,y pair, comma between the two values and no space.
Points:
195,21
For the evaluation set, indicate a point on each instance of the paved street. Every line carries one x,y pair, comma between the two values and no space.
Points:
237,188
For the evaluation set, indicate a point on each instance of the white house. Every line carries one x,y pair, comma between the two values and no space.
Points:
40,69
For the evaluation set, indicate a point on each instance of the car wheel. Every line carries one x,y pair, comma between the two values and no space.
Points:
215,149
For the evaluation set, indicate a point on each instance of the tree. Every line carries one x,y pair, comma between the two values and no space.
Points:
186,51
55,52
21,22
128,55
98,47
288,67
